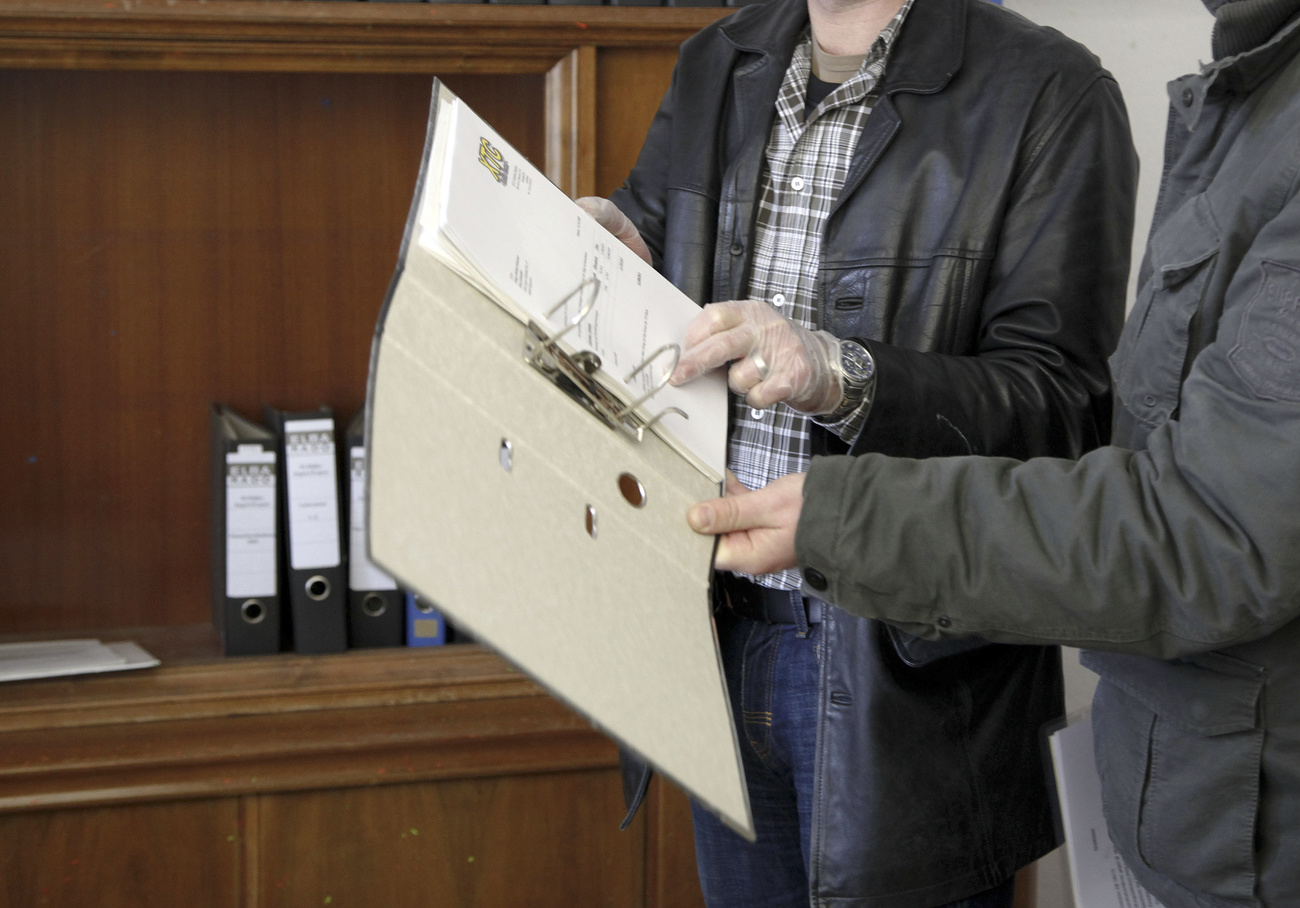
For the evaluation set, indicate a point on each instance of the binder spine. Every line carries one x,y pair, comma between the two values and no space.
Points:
315,581
245,535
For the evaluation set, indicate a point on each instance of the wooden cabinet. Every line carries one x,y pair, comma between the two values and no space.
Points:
202,200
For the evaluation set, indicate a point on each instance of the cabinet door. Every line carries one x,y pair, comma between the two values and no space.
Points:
177,853
549,839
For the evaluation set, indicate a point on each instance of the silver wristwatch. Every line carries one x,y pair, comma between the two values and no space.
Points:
857,371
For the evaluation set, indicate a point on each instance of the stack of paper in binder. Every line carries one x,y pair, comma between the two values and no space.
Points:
529,467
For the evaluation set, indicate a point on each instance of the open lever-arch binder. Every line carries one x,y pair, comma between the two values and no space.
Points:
530,468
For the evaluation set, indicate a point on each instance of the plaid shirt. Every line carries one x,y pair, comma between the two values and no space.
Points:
806,162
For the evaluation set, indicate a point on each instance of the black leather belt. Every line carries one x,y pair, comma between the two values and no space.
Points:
764,604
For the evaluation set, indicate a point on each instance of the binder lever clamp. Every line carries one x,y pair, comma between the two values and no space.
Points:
575,374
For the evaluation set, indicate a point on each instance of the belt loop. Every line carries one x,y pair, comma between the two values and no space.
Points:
800,613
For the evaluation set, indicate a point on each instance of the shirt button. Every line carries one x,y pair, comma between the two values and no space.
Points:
778,300
1149,400
797,184
816,579
944,621
1188,97
756,414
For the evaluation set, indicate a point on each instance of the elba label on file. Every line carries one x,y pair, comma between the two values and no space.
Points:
250,522
313,493
363,574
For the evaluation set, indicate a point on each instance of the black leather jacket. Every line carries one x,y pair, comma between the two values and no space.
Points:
980,250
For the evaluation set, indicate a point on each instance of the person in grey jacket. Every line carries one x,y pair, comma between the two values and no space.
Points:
1171,556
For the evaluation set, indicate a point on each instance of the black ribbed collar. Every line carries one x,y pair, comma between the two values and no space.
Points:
1243,25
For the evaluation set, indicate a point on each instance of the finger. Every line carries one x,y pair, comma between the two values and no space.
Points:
734,486
743,376
713,319
764,394
710,353
726,515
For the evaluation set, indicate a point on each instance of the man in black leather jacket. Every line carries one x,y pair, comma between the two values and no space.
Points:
954,198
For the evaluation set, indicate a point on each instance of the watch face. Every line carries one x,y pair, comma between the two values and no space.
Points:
856,362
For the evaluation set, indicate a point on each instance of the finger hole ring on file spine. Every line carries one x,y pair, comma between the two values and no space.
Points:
632,490
252,611
373,605
591,521
318,587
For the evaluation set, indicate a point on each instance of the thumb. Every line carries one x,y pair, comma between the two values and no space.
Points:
718,515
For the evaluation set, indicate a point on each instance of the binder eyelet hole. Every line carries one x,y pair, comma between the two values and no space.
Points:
506,455
633,491
318,588
373,605
591,521
252,611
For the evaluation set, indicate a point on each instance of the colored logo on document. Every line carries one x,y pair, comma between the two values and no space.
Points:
490,158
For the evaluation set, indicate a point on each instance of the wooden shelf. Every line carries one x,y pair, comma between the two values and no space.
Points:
281,723
202,200
305,36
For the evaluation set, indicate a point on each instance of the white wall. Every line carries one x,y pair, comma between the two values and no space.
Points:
1145,44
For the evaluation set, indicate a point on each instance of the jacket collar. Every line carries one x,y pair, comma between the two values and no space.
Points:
925,56
1239,74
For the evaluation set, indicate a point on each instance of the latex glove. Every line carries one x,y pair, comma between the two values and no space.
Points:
757,528
773,359
608,215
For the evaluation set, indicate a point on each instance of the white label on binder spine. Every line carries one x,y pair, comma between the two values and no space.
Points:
313,493
363,574
250,522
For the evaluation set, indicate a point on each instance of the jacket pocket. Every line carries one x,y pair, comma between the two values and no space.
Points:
1148,362
917,652
924,304
1178,750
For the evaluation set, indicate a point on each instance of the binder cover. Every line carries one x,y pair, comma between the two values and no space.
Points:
376,610
245,535
425,625
498,492
312,549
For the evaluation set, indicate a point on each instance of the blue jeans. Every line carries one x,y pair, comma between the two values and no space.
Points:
772,675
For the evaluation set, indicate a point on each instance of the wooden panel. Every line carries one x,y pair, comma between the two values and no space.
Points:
630,83
282,723
168,240
671,876
295,35
540,840
187,853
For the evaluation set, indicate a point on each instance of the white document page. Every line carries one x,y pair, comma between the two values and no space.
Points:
53,658
250,522
363,574
494,218
313,493
1098,875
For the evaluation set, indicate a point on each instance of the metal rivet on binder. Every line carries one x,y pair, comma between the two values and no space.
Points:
507,455
632,490
318,587
591,521
252,611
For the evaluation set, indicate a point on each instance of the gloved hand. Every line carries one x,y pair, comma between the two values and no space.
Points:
608,215
773,359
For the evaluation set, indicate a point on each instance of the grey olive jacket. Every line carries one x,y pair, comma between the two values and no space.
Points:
1173,555
980,248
